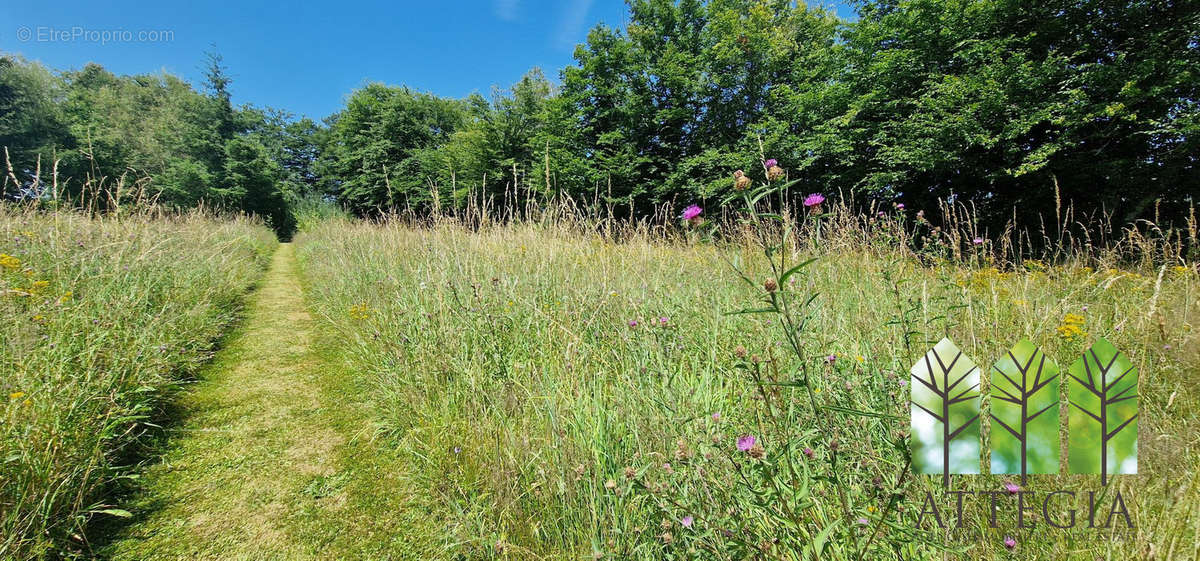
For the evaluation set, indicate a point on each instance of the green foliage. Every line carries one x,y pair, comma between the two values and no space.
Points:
102,321
189,147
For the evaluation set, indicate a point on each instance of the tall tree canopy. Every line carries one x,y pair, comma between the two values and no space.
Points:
997,103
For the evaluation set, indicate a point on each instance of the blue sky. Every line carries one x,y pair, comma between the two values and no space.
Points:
306,58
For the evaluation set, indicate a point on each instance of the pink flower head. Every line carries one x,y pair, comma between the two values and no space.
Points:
977,241
687,521
692,212
716,416
663,320
814,200
633,323
1009,542
808,451
1012,488
770,163
831,359
863,521
900,206
745,443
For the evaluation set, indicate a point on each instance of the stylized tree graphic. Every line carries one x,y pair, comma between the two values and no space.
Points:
945,407
1103,395
1024,389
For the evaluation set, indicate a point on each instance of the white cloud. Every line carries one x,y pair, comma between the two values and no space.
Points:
570,29
505,9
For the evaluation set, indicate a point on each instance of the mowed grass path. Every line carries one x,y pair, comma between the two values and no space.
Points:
273,457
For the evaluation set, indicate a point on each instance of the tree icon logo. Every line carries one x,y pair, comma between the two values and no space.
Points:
1024,412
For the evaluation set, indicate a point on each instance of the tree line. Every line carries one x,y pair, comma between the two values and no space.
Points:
1010,107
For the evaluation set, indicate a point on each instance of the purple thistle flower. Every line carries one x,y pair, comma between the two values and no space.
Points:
745,443
831,359
633,323
716,416
900,206
977,241
770,163
1012,488
1009,542
692,212
808,451
687,521
863,521
814,200
663,320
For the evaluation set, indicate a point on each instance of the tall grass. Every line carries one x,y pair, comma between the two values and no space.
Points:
101,320
556,382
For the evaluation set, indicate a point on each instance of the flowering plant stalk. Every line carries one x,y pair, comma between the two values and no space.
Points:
782,486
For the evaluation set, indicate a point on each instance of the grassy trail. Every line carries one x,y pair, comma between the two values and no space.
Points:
273,458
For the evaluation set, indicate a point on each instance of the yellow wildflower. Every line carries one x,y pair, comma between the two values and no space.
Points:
360,312
1071,327
66,297
16,395
38,286
9,262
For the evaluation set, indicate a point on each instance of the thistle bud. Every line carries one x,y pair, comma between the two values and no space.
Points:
740,181
774,172
770,285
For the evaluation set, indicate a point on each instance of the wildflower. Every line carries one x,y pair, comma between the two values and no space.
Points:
360,312
667,538
814,200
9,262
687,521
667,468
1012,488
773,170
831,359
39,286
691,214
859,358
833,444
66,297
977,241
1071,327
682,452
663,320
863,521
745,443
716,416
770,285
1009,542
633,323
808,451
457,449
610,484
739,351
16,395
630,473
740,181
900,206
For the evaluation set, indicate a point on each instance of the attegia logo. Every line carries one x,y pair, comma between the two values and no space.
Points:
1024,400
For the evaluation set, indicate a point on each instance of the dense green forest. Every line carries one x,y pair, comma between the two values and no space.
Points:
1015,108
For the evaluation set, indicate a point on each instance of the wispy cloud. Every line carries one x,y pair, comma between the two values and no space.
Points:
505,9
574,17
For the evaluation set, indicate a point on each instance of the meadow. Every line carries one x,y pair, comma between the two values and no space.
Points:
103,320
564,387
